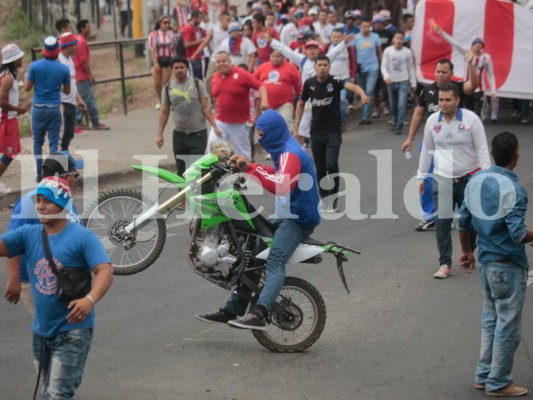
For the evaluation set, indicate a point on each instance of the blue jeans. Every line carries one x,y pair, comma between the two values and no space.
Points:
85,89
452,192
504,290
43,120
367,80
398,93
63,360
288,235
426,199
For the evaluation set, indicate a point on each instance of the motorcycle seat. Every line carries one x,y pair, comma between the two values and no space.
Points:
313,242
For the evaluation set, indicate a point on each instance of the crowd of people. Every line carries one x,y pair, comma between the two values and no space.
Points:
286,74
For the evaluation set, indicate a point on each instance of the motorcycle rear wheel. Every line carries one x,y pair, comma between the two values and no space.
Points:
302,322
118,208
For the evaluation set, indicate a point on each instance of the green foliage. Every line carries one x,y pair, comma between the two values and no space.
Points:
18,28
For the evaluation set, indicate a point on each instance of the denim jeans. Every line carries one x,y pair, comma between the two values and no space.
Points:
398,93
367,80
504,290
450,193
62,359
288,235
426,199
45,120
85,89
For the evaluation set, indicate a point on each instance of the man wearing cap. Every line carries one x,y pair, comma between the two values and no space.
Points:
350,26
241,50
306,63
231,90
49,78
387,22
85,78
62,332
282,82
12,58
188,101
73,100
193,36
64,166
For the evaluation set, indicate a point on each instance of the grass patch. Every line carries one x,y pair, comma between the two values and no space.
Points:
19,28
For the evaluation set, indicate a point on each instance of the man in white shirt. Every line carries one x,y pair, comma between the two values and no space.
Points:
398,70
322,27
241,50
70,102
456,139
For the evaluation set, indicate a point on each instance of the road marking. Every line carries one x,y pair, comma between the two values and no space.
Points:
195,337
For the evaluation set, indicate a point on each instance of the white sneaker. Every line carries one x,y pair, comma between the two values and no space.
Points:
158,106
443,272
4,188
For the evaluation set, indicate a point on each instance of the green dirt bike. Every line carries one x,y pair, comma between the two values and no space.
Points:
229,245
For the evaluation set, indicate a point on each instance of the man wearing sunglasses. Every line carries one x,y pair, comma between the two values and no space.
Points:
64,166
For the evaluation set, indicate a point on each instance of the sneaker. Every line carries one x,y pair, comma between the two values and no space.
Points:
221,316
80,132
362,122
390,122
523,121
4,188
252,320
398,131
511,390
386,110
443,272
425,225
101,127
158,106
375,113
480,386
351,107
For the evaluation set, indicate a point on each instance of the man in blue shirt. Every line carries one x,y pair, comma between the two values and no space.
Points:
62,330
369,53
495,205
64,166
48,77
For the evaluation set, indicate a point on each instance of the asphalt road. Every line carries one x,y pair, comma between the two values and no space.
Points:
400,334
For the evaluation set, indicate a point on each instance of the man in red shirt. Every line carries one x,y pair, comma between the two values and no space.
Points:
193,36
85,78
230,88
282,82
263,48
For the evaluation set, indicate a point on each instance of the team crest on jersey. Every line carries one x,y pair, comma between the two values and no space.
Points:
461,127
236,75
46,279
261,42
273,76
437,128
330,87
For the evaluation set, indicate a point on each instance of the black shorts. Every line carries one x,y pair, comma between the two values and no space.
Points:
164,61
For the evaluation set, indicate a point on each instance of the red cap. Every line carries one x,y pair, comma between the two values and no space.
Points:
305,21
312,43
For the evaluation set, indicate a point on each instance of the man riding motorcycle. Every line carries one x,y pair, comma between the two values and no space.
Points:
293,181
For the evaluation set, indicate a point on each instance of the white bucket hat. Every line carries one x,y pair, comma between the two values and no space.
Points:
10,53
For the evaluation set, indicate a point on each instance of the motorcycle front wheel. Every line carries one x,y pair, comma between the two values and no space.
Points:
300,324
131,253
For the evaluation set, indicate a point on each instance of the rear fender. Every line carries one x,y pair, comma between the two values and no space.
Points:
302,253
163,174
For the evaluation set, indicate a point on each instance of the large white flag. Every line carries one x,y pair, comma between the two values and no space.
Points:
506,28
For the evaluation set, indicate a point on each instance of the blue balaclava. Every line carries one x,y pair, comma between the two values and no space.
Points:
275,133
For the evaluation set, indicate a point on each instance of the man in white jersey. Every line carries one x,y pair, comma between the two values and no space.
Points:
456,140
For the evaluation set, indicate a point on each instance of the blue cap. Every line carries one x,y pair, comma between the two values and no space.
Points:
56,190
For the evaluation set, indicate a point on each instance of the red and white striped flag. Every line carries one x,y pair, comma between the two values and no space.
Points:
504,26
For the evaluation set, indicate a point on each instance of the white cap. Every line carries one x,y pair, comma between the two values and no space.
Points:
10,53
